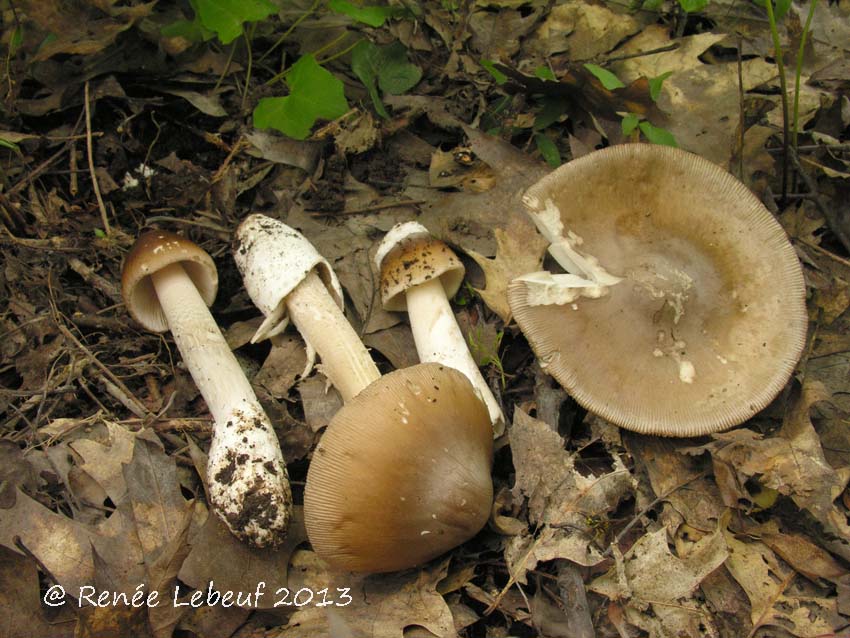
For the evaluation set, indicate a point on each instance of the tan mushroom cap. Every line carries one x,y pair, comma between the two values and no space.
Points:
710,319
153,251
402,473
413,261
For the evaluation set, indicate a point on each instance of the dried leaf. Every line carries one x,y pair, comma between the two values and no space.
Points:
284,363
104,463
657,587
792,463
804,556
584,30
396,344
21,602
79,28
520,250
765,581
320,400
153,489
558,494
60,544
700,99
218,557
381,606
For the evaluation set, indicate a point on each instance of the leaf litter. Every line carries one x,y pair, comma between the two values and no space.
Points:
443,113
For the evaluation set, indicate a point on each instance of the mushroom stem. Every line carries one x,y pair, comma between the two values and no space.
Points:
439,339
246,474
345,360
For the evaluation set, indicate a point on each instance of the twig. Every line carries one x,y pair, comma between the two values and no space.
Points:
190,222
39,244
139,408
783,88
825,252
96,281
741,121
640,54
366,209
813,147
645,510
95,186
831,219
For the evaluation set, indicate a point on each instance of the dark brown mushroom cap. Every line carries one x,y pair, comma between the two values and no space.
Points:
153,251
710,318
410,256
402,473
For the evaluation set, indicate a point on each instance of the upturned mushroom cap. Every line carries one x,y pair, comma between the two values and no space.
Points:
273,259
407,256
153,251
709,319
402,473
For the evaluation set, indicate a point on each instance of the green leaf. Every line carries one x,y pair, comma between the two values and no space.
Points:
553,107
386,68
191,30
99,233
691,6
548,150
373,16
490,67
313,93
657,135
629,123
608,79
226,17
10,145
655,85
545,73
16,40
780,9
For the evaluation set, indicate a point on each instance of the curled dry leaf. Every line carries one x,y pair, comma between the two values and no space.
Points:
380,606
561,500
765,581
792,463
519,250
657,588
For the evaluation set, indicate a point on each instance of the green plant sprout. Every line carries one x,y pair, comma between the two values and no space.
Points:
488,353
634,121
313,93
384,67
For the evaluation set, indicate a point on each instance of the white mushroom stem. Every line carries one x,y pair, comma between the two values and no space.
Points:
246,474
439,339
345,360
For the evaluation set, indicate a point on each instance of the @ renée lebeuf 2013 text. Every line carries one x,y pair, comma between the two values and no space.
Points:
56,596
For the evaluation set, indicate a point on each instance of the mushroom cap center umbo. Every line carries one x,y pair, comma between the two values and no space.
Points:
402,473
709,319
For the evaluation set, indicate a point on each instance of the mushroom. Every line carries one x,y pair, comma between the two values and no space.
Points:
420,273
288,279
167,283
402,472
682,311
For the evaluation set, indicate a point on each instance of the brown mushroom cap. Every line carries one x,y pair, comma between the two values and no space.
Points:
709,320
153,251
402,473
413,261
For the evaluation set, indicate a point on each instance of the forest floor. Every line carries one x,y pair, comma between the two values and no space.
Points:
342,120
